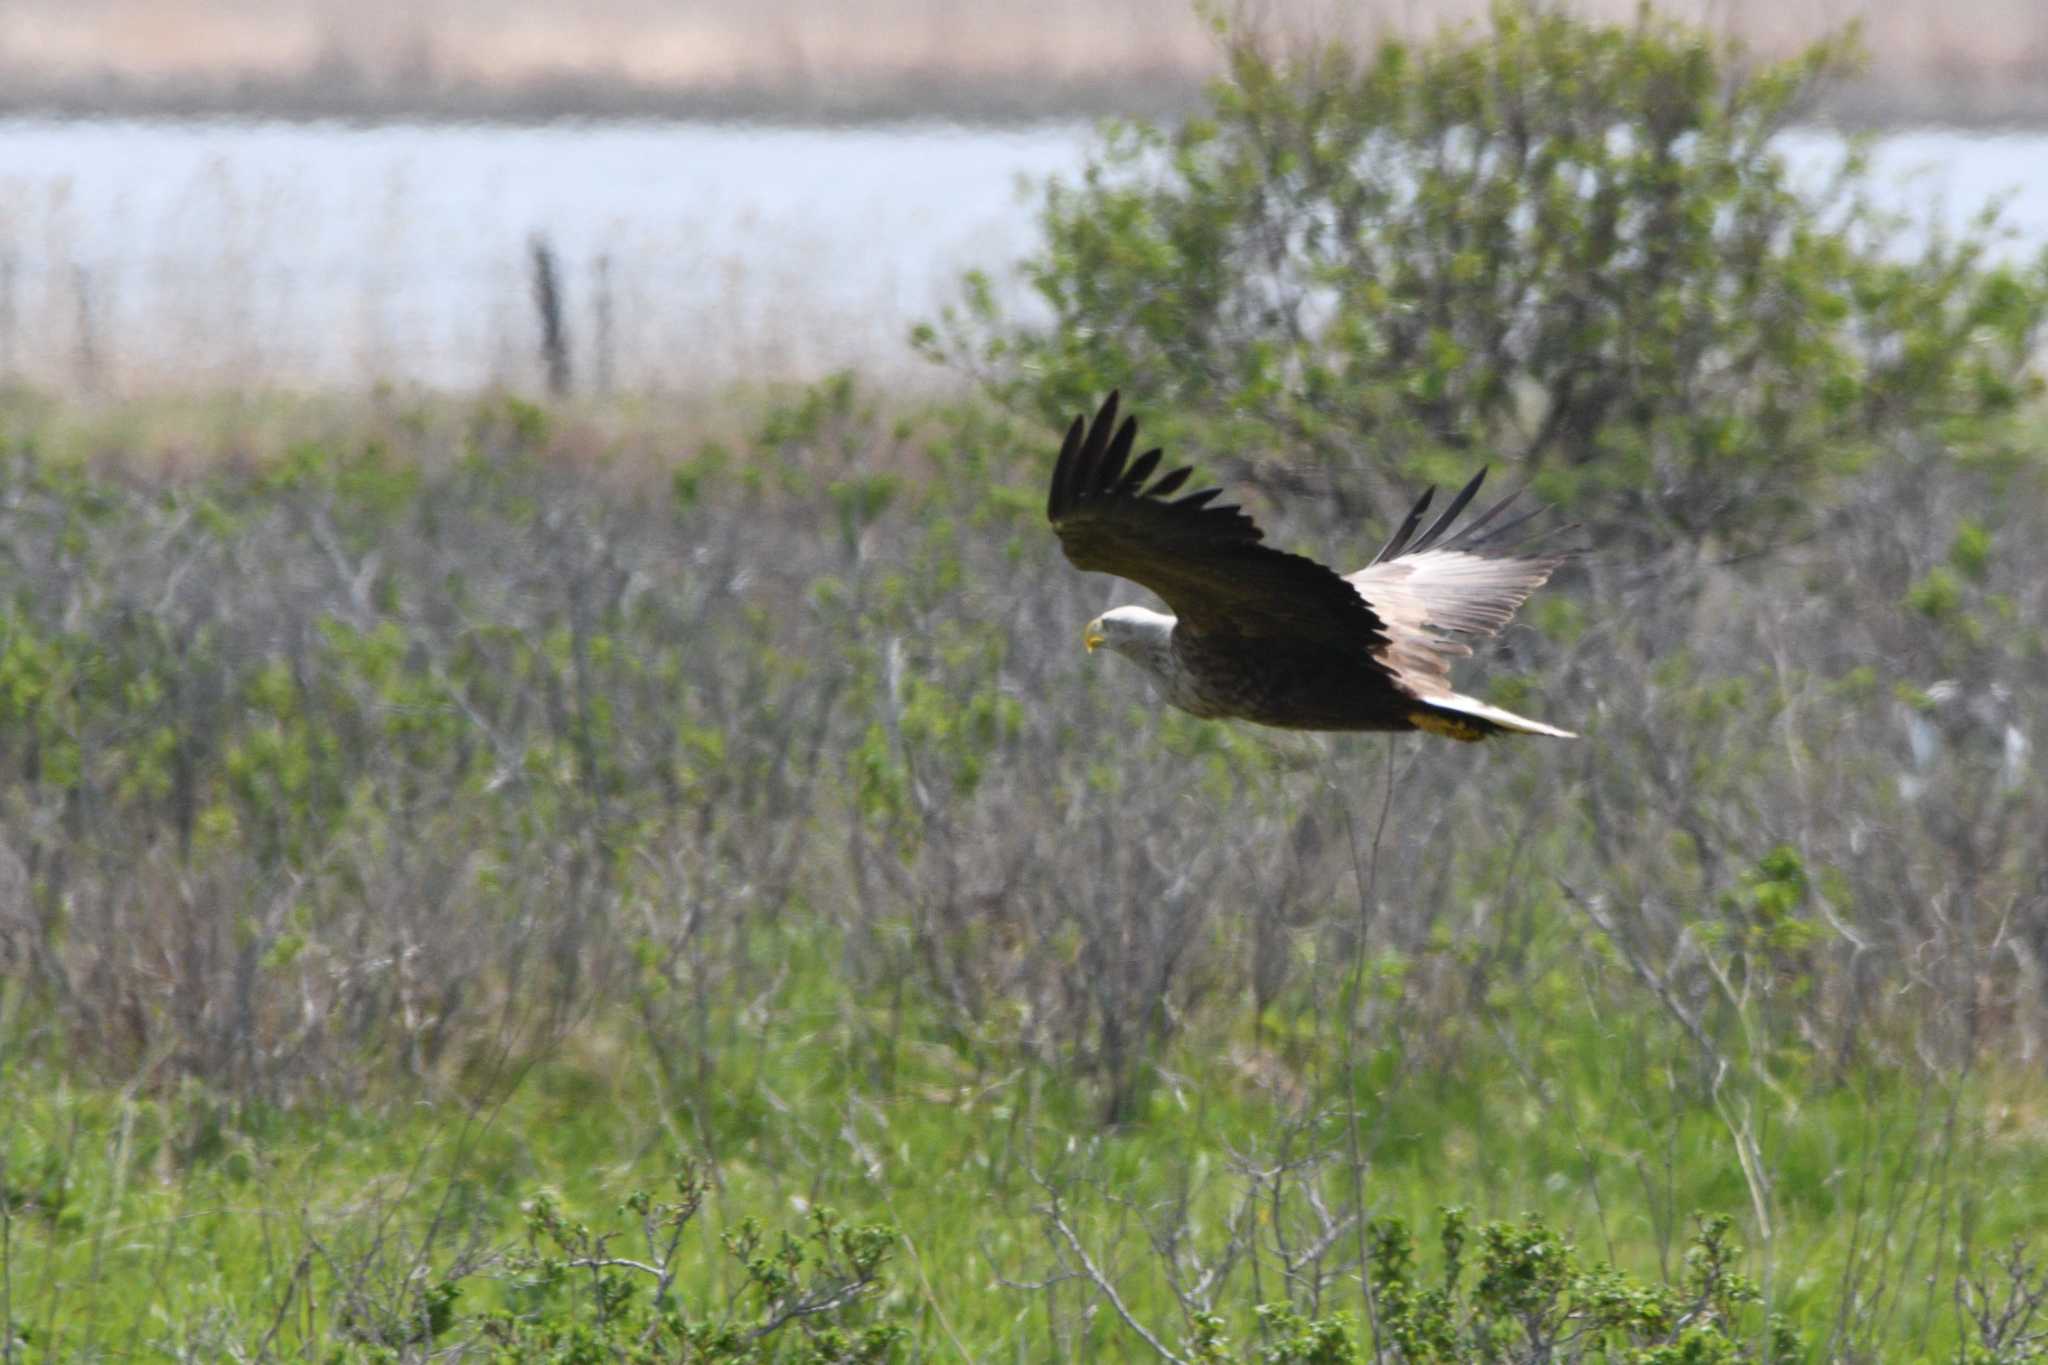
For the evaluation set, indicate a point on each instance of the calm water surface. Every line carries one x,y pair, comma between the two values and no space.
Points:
135,255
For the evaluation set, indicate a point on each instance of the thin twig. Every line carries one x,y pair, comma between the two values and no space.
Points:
1103,1286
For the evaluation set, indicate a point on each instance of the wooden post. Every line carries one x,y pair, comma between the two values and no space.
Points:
547,299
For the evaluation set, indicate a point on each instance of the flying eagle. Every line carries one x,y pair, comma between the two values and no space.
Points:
1262,635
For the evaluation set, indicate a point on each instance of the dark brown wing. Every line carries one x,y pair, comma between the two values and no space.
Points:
1207,562
1432,587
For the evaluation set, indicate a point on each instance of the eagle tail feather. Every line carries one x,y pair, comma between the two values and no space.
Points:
1468,718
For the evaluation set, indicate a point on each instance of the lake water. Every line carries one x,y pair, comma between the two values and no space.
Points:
141,255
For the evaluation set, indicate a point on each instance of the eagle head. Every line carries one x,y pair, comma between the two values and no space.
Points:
1137,633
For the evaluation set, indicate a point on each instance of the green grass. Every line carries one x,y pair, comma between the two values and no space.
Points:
141,1222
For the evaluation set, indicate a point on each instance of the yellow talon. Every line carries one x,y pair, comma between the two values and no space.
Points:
1439,724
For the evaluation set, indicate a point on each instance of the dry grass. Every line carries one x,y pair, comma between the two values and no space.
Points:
1941,60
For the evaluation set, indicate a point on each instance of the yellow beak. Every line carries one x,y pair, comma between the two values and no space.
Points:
1091,634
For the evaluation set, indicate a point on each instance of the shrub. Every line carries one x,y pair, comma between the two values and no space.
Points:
580,1297
1568,246
1533,1298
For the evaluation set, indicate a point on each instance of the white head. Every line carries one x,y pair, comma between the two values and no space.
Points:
1138,633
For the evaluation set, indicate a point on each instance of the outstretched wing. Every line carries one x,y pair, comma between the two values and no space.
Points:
1432,588
1208,562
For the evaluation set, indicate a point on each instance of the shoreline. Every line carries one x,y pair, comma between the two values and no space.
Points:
1866,104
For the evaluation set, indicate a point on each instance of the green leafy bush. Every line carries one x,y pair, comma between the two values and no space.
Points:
582,1298
1567,246
1535,1298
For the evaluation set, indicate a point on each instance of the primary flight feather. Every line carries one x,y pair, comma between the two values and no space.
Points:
1262,635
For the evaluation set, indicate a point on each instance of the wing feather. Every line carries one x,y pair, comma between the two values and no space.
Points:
1398,541
1443,523
1208,562
1170,483
1111,473
1441,588
1140,470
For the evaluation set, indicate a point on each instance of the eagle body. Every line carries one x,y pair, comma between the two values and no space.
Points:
1287,685
1277,639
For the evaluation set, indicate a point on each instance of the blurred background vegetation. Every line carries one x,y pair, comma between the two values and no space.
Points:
599,876
1970,61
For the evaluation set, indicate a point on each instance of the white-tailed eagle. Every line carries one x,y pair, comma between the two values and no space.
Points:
1262,635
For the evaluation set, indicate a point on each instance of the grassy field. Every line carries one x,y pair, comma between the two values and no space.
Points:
158,1225
479,804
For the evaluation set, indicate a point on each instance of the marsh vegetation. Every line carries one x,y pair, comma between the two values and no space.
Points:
430,824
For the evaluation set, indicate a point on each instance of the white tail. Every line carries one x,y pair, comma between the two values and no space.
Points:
1506,720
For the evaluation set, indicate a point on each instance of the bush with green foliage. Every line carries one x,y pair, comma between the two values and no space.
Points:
1571,248
1533,1300
579,1298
